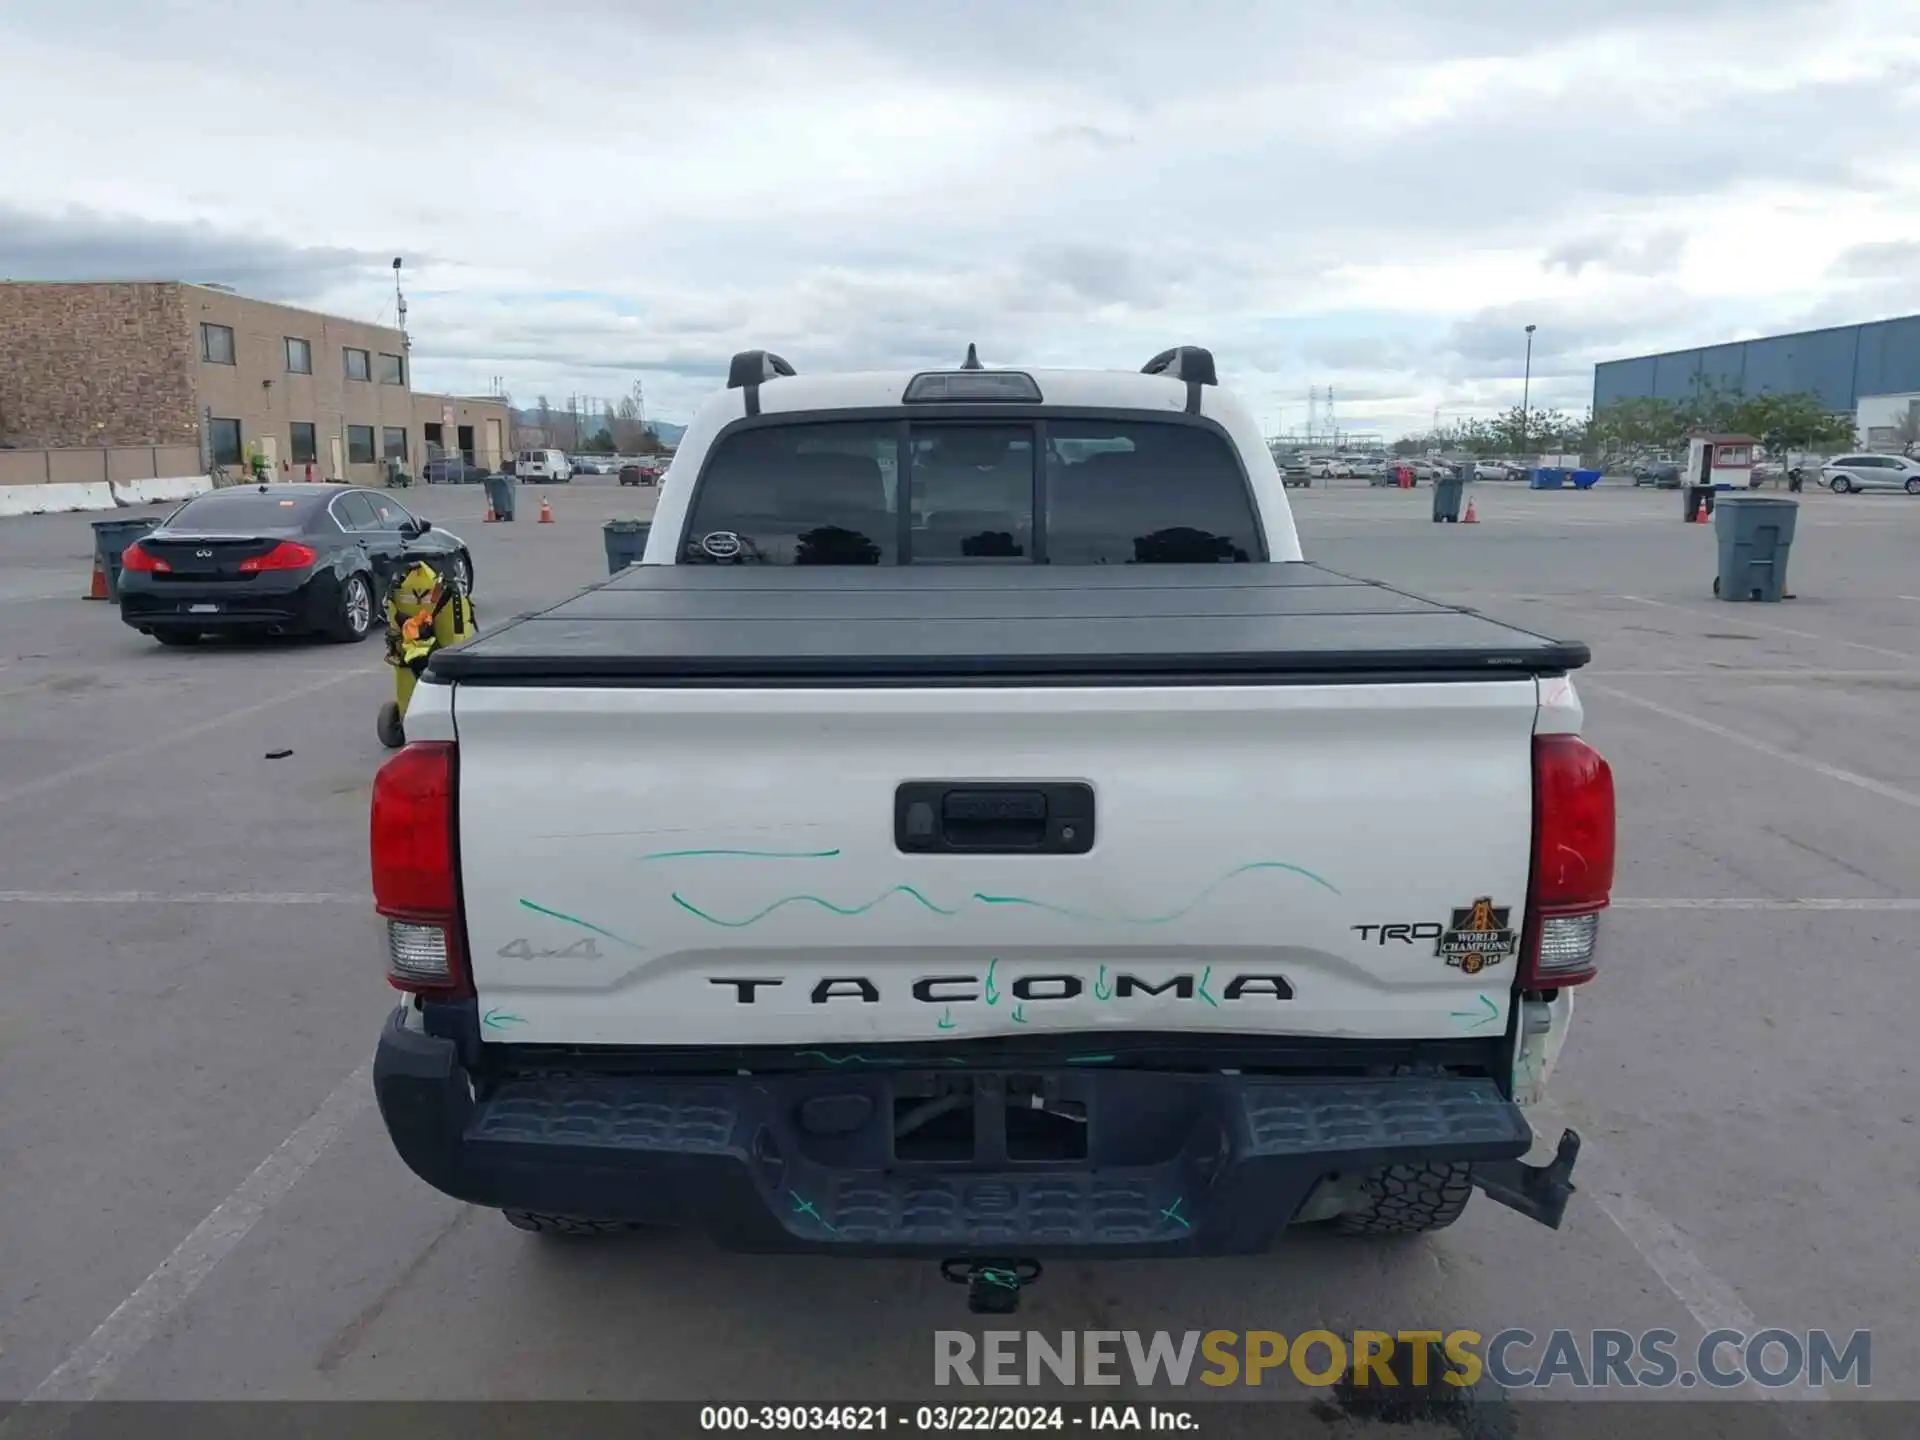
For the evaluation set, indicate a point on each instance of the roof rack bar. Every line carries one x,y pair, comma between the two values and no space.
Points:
750,368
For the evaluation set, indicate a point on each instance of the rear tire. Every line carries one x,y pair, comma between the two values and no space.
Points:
354,616
1410,1200
181,638
1913,485
540,1224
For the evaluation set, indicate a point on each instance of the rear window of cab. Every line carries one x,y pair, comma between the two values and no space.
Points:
1065,492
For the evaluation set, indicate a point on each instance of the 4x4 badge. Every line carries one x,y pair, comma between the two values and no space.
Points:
1477,938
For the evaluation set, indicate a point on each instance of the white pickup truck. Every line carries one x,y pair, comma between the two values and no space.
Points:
974,831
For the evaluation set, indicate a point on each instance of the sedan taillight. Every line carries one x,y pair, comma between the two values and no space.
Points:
287,555
141,561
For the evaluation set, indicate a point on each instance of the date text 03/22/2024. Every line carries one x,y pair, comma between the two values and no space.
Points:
940,1419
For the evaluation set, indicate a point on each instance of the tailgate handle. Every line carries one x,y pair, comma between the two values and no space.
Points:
932,815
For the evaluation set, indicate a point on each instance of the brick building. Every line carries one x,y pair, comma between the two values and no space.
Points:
92,367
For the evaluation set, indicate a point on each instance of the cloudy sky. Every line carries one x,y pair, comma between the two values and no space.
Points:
1375,195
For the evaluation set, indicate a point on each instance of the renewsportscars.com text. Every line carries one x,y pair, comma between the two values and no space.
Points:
1513,1359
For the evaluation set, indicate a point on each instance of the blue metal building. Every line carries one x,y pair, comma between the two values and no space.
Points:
1838,365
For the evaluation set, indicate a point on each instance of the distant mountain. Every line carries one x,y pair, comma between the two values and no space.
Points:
668,432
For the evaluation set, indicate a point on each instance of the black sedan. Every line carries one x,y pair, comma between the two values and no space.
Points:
279,560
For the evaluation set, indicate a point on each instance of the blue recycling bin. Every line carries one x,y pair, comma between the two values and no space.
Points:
500,496
1547,477
1585,479
1754,537
626,543
110,541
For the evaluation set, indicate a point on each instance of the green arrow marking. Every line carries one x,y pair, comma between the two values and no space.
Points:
946,1020
1206,974
1019,1015
993,990
1474,1019
500,1020
1102,988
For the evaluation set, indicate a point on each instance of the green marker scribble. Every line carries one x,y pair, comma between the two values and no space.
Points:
1089,1059
1201,989
583,924
880,1059
1488,1011
1005,1279
1101,989
742,854
500,1020
946,1020
1172,1212
992,990
805,1207
759,915
981,898
1164,919
1018,1015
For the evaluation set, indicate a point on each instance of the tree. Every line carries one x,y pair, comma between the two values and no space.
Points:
1633,426
1906,430
543,414
1792,421
602,441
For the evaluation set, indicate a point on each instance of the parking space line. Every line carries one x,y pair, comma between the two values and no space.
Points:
1713,1303
180,897
1761,747
1780,629
173,737
90,1369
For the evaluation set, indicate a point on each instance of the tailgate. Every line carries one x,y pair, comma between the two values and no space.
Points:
705,866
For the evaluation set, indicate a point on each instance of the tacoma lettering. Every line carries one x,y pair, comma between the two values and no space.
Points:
944,990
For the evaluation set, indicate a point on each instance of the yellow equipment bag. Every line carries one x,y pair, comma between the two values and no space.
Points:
425,613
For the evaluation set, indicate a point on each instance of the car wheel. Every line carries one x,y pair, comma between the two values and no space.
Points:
1840,485
355,615
1913,484
182,638
1409,1200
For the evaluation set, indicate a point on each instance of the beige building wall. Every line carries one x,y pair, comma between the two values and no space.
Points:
481,427
268,398
96,365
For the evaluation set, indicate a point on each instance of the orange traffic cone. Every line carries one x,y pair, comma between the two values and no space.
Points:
99,588
491,517
546,511
1470,518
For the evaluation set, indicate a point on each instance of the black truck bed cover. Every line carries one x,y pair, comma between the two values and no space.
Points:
948,625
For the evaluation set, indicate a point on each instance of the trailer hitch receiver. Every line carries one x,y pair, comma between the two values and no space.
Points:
993,1286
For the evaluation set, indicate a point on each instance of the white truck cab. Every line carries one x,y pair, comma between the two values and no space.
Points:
976,831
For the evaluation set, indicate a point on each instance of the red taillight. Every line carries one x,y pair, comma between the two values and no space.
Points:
141,561
1573,854
287,555
412,848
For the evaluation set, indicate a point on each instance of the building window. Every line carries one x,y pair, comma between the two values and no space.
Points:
300,447
392,371
358,364
393,442
223,440
216,344
359,442
299,356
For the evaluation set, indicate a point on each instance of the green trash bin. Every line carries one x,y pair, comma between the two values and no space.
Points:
1754,534
626,543
1446,497
500,496
110,541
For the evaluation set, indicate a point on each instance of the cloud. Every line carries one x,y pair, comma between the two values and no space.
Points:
863,183
79,243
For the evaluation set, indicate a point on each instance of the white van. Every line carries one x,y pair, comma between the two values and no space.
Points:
538,467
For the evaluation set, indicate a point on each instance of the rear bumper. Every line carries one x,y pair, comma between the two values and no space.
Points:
293,603
1175,1163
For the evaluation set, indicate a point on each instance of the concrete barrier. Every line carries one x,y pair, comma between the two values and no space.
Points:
154,492
55,499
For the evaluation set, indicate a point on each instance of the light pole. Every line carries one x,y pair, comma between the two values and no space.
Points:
1526,386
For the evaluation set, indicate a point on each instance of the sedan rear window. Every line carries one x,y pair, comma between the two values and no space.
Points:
243,512
1070,491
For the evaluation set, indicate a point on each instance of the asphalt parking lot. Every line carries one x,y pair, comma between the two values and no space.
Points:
198,1199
